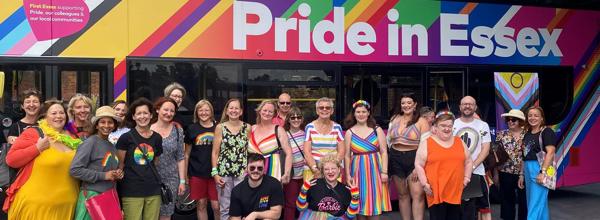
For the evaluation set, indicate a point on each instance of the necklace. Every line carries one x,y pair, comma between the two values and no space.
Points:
67,140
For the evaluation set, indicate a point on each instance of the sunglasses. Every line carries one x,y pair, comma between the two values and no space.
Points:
296,118
285,103
511,119
259,168
324,108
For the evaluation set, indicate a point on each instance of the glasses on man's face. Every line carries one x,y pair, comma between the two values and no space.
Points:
511,119
296,117
252,168
285,103
325,108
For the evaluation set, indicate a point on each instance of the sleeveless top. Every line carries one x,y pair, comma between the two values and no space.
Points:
410,135
270,150
233,153
368,145
445,171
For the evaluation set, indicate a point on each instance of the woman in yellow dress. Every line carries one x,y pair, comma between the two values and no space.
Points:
43,189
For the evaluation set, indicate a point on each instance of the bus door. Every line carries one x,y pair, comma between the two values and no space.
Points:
54,77
381,86
305,83
446,86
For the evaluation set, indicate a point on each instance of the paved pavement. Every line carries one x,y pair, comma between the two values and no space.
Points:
568,203
577,203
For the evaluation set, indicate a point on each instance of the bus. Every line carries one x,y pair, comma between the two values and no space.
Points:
506,56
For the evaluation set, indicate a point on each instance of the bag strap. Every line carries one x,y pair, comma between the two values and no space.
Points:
145,155
277,137
295,142
540,140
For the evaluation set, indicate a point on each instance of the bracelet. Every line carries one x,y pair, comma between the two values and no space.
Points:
181,181
213,171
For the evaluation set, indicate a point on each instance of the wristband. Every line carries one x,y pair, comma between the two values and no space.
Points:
181,181
213,171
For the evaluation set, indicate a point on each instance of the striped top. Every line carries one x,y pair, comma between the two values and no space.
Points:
269,148
410,135
323,144
297,144
360,145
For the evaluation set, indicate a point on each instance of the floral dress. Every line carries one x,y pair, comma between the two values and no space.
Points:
514,148
233,153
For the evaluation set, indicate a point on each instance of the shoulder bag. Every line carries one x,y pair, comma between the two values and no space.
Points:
549,180
166,195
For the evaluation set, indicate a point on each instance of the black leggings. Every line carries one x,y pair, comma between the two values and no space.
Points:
511,195
444,211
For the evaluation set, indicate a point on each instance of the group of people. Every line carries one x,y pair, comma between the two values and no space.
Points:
277,167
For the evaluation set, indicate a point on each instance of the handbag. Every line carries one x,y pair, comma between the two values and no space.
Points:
104,206
549,179
497,156
165,193
282,153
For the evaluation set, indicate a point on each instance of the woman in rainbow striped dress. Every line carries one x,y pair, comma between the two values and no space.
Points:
270,141
366,158
323,137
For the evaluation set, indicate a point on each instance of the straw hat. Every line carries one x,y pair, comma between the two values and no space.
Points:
515,113
105,111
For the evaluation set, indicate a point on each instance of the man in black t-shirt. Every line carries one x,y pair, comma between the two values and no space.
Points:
258,196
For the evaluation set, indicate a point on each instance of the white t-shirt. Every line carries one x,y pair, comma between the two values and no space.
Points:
473,134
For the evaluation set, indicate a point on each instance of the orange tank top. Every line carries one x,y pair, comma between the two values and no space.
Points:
445,171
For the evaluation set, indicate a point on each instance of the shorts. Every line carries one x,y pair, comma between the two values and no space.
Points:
401,163
483,203
202,188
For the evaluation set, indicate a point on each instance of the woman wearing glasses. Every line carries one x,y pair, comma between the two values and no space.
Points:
511,140
323,137
366,161
270,140
295,130
444,168
137,151
326,198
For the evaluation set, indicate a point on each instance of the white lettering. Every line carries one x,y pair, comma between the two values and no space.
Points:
506,45
418,30
527,39
358,33
482,38
448,34
550,42
393,16
281,33
242,29
336,27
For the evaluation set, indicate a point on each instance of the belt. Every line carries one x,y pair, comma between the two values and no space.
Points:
365,153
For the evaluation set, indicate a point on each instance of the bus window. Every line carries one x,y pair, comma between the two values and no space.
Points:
305,86
214,81
17,77
381,87
556,93
85,79
445,90
481,87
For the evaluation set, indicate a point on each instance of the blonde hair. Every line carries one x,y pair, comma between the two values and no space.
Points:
199,105
173,86
80,97
330,158
224,116
262,105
